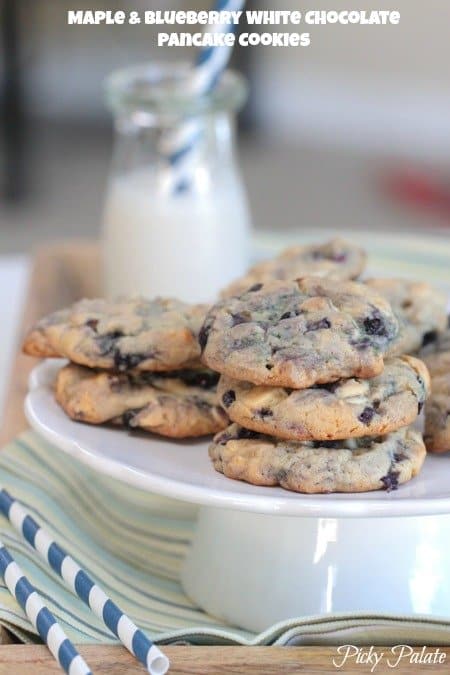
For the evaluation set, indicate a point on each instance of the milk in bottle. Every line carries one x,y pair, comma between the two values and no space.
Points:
158,238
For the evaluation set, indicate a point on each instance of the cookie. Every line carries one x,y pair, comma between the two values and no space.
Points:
178,404
420,308
336,259
437,415
299,333
122,335
437,410
438,363
442,342
343,409
437,354
355,465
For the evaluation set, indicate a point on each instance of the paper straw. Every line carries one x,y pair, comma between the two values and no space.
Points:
180,146
40,616
82,585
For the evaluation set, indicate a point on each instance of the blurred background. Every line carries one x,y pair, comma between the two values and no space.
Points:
352,132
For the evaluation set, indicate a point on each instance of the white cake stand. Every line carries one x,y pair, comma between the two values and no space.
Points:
261,555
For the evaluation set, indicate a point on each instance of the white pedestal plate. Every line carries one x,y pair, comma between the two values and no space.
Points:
262,555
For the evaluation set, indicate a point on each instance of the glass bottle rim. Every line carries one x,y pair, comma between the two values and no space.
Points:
159,88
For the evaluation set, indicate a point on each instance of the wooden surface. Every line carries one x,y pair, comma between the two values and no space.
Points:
61,275
23,660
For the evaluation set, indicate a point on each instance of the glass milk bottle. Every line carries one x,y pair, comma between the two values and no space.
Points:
172,231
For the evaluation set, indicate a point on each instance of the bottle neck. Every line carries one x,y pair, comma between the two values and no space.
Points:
146,140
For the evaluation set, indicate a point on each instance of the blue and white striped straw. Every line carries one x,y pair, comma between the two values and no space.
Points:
179,147
40,616
82,585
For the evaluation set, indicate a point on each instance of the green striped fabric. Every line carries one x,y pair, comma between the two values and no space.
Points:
132,543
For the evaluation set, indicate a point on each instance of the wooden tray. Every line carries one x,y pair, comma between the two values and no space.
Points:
62,274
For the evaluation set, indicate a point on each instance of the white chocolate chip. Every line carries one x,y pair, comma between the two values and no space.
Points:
353,389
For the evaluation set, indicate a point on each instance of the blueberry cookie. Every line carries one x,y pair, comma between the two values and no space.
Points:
299,333
438,363
343,409
178,404
437,414
420,308
437,354
355,465
336,259
128,334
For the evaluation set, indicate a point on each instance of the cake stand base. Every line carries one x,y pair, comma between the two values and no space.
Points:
254,570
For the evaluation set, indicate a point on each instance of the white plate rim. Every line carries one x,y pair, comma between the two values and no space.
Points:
323,506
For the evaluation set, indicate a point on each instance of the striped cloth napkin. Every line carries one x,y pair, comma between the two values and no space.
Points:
133,543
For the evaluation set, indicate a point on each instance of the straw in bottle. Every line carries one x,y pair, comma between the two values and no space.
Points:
180,146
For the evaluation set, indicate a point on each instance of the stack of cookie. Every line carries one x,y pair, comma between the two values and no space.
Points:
133,363
314,406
